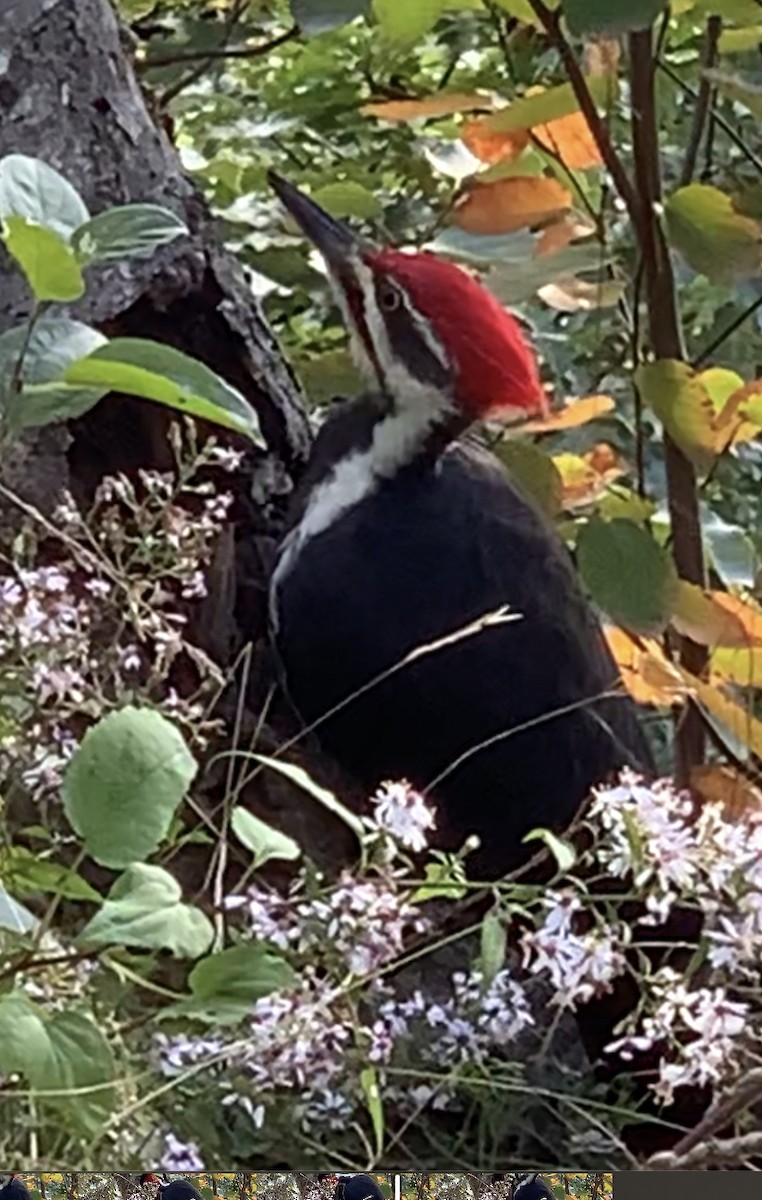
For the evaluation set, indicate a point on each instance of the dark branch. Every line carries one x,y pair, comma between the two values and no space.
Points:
703,100
209,56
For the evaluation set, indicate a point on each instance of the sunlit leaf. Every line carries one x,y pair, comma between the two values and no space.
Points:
510,204
573,414
549,105
50,266
675,393
443,104
569,139
738,41
158,372
348,199
697,614
647,673
712,237
126,230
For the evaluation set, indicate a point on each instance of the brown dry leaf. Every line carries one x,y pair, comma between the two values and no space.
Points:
558,235
568,293
701,616
601,56
605,459
647,673
443,105
570,140
716,783
510,204
739,721
574,413
493,147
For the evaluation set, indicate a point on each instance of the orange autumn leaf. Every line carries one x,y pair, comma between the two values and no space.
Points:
510,204
570,140
442,105
749,615
574,413
647,674
716,783
492,147
604,459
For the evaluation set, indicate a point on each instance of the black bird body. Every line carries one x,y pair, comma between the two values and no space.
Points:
14,1189
404,534
357,1187
439,546
532,1187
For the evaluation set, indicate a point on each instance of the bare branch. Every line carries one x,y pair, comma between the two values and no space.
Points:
703,100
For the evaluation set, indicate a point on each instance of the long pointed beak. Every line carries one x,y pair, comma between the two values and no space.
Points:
333,239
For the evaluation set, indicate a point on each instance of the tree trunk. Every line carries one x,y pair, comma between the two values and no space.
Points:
69,96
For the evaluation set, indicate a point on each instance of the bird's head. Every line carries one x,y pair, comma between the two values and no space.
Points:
423,330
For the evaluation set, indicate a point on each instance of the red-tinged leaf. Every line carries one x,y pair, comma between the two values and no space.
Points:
511,204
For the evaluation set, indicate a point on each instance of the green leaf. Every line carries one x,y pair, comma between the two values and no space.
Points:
144,908
406,23
493,944
50,267
128,229
29,874
300,777
739,41
124,784
317,16
546,106
712,237
535,473
522,9
375,1105
62,1052
439,881
54,344
348,199
157,372
14,916
619,501
562,851
224,986
32,190
627,573
610,16
325,376
263,841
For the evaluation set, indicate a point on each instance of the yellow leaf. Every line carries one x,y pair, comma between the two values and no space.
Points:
739,721
682,404
574,413
444,104
698,616
647,673
510,204
581,482
741,666
747,613
716,783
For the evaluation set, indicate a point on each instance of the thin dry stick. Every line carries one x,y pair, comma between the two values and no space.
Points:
746,1093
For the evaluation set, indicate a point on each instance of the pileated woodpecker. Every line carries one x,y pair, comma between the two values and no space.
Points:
178,1189
356,1187
531,1187
14,1189
402,535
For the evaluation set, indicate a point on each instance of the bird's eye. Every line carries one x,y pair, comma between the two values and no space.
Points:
388,298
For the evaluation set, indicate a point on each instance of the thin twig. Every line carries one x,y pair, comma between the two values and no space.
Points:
747,1092
730,329
209,56
716,1152
717,117
703,100
551,22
